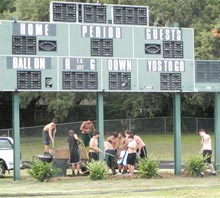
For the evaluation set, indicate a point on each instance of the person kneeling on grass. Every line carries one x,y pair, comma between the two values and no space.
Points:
132,147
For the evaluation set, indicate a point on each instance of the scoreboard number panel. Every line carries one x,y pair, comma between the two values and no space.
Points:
101,47
28,80
99,13
24,45
80,80
170,81
207,75
130,15
208,71
119,80
94,13
64,12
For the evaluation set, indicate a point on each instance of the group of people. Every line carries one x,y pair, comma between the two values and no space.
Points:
120,149
123,149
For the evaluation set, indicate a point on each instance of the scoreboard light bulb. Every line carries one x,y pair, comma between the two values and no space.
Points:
124,83
48,82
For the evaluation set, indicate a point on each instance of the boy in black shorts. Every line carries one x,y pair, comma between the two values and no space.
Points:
132,147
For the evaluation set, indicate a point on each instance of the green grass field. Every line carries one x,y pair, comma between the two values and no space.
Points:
159,147
82,187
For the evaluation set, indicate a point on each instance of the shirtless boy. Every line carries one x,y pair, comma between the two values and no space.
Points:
48,135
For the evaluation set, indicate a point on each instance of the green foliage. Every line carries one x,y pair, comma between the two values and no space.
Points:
58,104
32,10
195,165
42,170
98,170
203,16
148,168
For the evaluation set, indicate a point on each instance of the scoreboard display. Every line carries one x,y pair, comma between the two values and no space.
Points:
96,47
98,13
207,75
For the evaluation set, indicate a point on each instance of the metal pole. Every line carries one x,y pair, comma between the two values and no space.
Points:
100,121
177,133
216,129
16,135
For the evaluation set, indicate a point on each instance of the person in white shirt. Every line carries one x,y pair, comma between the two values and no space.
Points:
206,149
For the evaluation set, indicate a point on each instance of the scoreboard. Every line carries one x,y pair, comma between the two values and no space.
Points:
96,47
207,76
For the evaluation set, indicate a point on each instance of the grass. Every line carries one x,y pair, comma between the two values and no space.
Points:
168,186
159,146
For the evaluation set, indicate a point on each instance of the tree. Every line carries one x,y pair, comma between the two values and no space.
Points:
58,104
202,15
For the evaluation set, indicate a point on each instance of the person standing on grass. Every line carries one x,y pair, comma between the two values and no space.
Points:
122,161
74,158
110,155
87,128
131,159
49,132
93,146
207,149
141,147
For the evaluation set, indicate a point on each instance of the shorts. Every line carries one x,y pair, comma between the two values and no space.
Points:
207,154
131,159
86,139
74,157
143,153
46,138
110,159
93,155
123,158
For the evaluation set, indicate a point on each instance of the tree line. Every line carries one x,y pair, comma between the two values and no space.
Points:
202,15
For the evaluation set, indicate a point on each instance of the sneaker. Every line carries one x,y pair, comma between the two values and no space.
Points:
118,173
80,172
201,174
214,173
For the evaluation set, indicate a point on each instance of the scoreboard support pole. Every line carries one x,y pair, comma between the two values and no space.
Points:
100,121
16,134
216,129
177,132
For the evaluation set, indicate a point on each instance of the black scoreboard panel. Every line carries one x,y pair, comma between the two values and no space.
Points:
101,47
99,13
24,45
64,12
94,13
170,81
207,71
172,49
80,80
119,80
130,15
28,79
